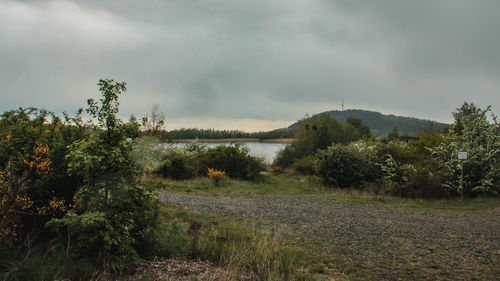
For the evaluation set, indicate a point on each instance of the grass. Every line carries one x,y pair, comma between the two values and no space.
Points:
309,186
337,262
238,249
227,243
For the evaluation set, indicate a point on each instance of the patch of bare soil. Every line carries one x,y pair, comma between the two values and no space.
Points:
178,269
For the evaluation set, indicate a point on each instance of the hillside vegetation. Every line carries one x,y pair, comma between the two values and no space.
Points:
381,124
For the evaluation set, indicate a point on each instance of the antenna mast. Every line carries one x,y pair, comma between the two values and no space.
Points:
342,103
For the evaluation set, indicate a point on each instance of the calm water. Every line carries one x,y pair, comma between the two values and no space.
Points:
259,149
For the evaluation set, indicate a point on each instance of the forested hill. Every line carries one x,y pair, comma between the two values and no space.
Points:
381,124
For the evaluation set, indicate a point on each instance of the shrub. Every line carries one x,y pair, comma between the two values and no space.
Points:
318,132
276,170
425,182
286,156
344,166
234,160
480,138
177,166
306,166
216,176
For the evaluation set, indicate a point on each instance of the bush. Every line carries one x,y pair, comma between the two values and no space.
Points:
187,163
475,134
305,166
234,160
318,132
177,166
426,182
344,166
286,156
216,176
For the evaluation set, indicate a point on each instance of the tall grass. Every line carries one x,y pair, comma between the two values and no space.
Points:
40,265
228,244
237,248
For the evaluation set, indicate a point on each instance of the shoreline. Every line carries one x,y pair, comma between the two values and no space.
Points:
229,140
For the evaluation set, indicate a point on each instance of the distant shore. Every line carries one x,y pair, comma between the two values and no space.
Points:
229,140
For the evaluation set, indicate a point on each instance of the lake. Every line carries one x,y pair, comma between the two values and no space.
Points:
265,150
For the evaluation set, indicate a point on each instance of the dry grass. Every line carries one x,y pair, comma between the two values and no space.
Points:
180,269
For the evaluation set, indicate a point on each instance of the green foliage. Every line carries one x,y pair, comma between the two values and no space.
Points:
286,156
33,144
344,166
235,160
112,210
305,166
381,124
407,169
394,168
105,111
193,133
52,263
473,133
393,134
178,166
425,182
319,132
195,160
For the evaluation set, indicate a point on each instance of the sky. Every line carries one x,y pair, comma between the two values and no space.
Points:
252,65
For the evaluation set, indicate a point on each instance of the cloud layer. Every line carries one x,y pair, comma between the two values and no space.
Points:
266,60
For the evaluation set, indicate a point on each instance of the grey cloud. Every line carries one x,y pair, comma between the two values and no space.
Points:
253,59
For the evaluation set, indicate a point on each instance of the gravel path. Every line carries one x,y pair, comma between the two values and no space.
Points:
373,242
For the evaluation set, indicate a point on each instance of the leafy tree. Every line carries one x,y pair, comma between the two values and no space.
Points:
106,112
356,130
393,134
113,211
475,134
319,132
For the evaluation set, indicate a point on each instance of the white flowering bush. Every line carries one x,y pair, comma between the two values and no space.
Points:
477,134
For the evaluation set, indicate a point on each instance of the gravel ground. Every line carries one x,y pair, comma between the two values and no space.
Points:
373,242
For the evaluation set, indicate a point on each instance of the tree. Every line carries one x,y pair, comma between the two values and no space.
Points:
394,133
155,120
112,211
106,112
319,132
103,157
473,133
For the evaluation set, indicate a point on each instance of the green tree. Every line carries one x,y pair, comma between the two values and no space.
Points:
319,132
113,211
393,134
474,133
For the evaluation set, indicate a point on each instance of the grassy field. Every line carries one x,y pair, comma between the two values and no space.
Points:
309,186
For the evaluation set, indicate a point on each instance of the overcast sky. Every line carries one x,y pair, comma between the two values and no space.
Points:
252,65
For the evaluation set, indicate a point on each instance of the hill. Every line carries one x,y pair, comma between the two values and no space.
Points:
381,124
